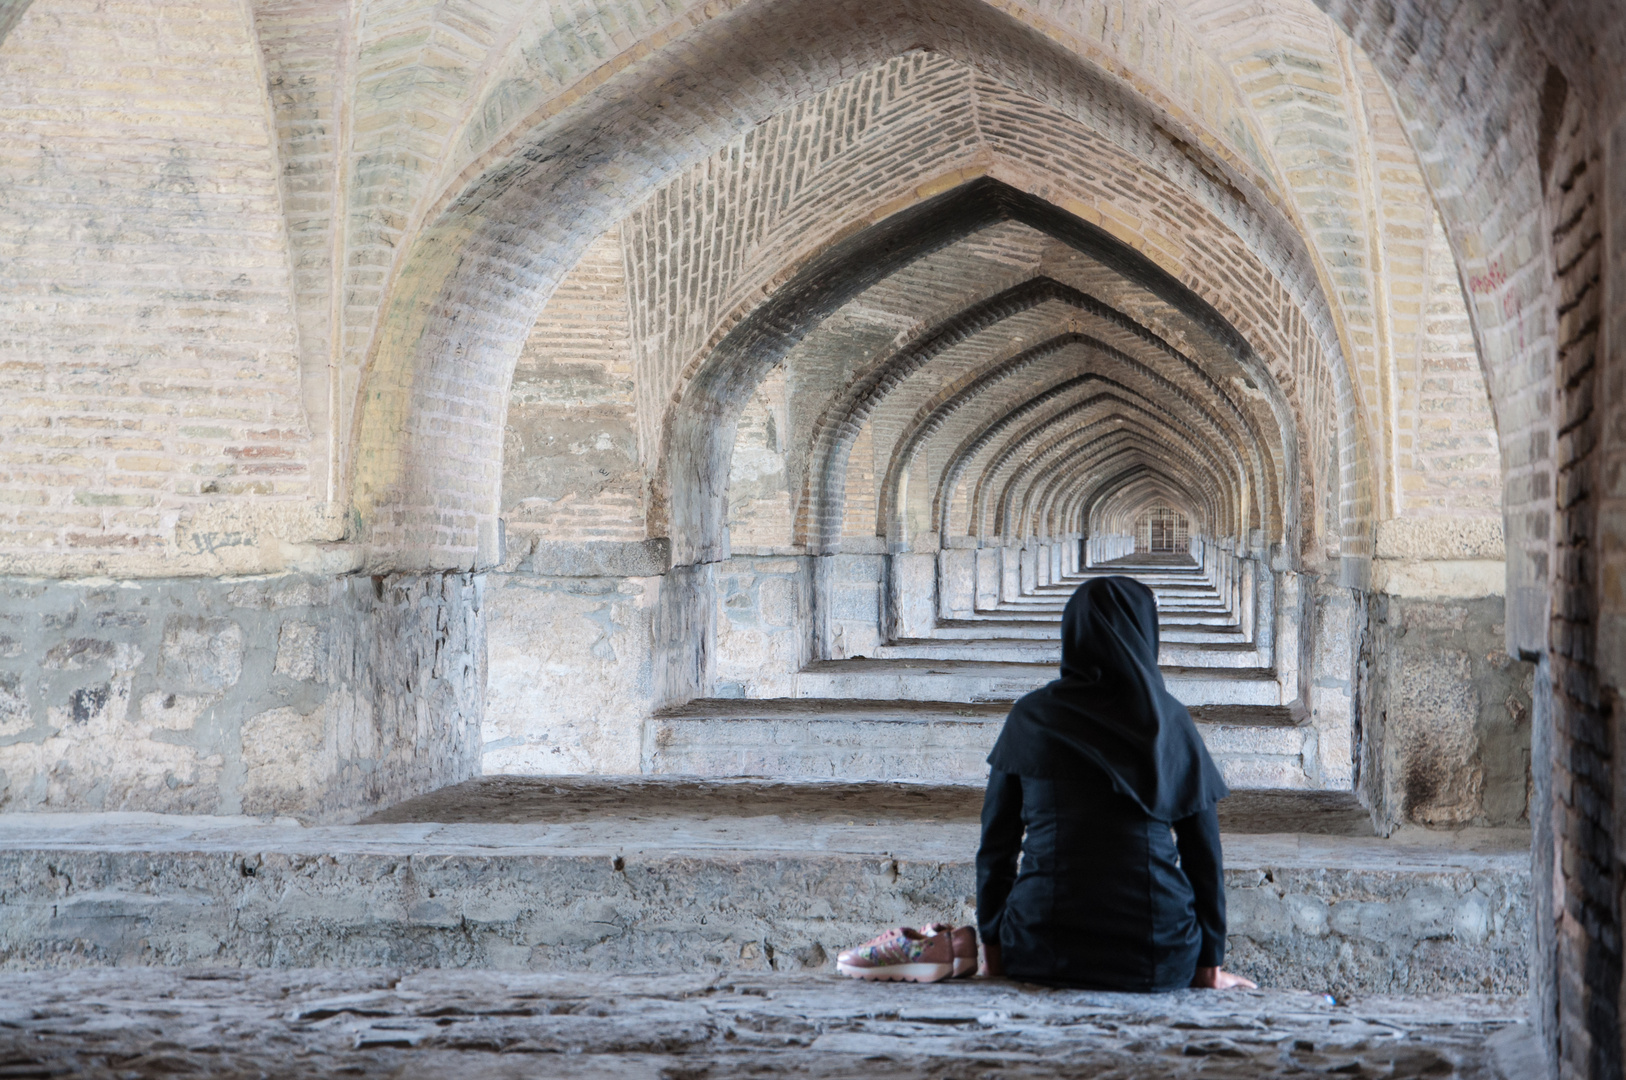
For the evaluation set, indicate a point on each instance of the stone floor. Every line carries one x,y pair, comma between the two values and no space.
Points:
139,1023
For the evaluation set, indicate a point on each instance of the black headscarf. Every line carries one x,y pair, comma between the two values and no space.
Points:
1111,710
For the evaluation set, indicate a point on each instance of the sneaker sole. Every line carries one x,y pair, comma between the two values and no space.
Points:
918,973
962,968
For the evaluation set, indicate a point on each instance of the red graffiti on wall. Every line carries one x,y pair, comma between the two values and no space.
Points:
1492,279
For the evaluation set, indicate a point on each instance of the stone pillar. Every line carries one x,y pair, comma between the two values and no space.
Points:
956,582
855,601
1010,573
1264,625
912,595
1445,711
1446,720
988,578
1245,599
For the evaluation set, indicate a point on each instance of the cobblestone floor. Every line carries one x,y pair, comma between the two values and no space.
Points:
138,1023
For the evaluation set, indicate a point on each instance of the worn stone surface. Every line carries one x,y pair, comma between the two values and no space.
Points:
220,1023
653,874
572,672
1445,734
519,800
300,695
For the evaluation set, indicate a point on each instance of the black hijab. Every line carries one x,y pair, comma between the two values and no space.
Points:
1111,710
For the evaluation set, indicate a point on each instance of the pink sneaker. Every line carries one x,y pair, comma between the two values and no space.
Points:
964,942
902,954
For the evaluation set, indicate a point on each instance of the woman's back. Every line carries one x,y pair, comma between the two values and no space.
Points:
1102,898
1095,768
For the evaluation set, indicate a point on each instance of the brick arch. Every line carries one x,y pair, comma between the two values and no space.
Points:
1189,408
1121,497
863,399
1051,514
1468,91
1016,508
1115,510
1002,444
427,445
1050,518
847,416
845,270
1126,482
1015,452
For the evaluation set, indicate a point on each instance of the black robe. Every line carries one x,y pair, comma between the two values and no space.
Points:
1102,785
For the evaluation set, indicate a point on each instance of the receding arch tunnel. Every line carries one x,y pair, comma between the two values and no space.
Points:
700,429
413,393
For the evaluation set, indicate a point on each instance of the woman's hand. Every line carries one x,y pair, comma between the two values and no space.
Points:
993,965
1213,978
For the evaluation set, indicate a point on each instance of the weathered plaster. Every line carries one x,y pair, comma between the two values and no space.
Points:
296,695
1445,722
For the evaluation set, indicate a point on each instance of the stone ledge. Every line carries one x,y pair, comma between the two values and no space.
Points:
1440,579
687,894
598,558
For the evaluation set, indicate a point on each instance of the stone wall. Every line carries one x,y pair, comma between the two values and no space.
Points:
1445,720
586,640
571,672
571,467
311,697
764,624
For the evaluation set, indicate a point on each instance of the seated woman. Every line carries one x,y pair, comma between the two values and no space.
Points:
1090,774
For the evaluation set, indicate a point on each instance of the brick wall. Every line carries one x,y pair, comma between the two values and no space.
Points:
151,366
571,469
1588,906
1526,215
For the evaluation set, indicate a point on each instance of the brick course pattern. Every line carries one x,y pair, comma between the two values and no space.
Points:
151,366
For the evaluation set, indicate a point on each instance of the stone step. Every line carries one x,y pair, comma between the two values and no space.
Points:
1067,584
1220,654
1170,587
651,875
1216,618
1044,630
1255,747
962,680
1209,617
1190,572
1164,592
